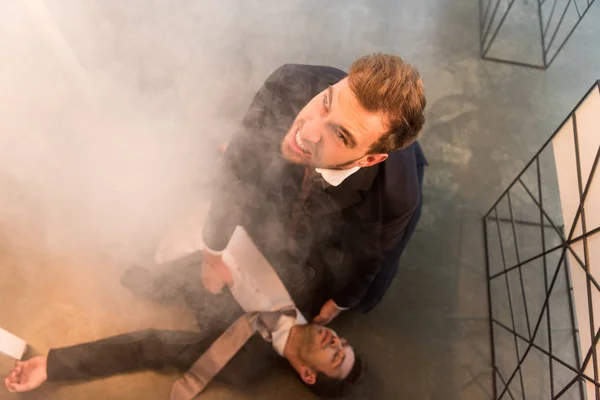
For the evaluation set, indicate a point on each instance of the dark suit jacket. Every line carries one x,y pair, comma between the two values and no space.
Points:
346,230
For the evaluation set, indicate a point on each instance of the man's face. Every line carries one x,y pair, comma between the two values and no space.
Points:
322,350
333,131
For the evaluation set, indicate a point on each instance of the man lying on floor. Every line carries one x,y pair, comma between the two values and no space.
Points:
323,360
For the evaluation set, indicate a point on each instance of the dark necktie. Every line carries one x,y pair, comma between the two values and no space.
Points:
224,348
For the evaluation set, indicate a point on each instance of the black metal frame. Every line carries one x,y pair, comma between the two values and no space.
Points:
545,222
547,36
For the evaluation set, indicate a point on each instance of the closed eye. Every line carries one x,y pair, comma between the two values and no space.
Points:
326,102
339,358
336,358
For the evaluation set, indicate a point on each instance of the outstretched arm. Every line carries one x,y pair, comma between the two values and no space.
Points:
148,349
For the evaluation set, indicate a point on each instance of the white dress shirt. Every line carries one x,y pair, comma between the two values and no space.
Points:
256,286
336,176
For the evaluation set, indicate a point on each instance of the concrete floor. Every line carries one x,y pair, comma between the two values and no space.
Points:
429,338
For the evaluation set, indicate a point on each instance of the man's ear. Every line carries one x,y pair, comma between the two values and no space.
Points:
372,159
307,374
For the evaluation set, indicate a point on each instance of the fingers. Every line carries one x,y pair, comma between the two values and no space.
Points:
8,385
211,281
210,285
13,379
14,386
17,388
214,286
18,367
13,376
323,318
224,274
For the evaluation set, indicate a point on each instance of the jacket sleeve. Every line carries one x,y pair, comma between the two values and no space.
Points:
148,349
368,245
241,167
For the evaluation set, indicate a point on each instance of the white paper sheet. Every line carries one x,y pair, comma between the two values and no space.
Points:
12,345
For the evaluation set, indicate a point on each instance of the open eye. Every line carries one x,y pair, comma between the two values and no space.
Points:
341,137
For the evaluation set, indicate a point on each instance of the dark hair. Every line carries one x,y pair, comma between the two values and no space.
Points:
332,388
386,84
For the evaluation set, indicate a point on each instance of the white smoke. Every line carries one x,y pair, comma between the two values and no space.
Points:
111,112
110,118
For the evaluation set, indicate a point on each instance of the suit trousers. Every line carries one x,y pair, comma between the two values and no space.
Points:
162,351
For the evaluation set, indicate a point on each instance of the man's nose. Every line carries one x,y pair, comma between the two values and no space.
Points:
311,131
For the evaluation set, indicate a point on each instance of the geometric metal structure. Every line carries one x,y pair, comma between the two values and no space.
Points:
542,247
528,33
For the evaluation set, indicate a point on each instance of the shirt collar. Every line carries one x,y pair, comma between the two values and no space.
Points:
336,176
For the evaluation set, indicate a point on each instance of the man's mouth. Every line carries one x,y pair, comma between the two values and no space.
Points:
298,145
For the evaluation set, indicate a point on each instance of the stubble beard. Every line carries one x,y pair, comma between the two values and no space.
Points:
307,343
291,156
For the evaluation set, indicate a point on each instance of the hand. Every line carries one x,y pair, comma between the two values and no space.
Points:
215,273
27,375
328,312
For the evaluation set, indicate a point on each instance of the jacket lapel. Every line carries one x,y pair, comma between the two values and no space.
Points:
346,194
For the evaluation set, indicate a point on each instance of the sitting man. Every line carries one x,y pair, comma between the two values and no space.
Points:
325,175
321,358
